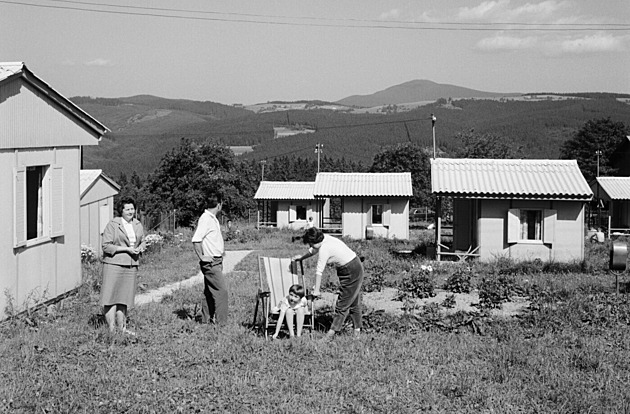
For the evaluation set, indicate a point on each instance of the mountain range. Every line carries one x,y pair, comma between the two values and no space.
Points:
145,127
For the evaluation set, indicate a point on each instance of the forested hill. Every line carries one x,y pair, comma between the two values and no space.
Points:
539,127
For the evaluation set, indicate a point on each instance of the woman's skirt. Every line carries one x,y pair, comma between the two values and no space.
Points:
119,285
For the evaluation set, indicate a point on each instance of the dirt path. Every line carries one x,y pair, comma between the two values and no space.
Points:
231,259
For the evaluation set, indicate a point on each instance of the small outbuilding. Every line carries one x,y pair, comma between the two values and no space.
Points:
287,204
97,206
613,193
521,209
41,138
370,204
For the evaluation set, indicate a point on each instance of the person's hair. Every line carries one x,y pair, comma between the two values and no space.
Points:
297,290
122,201
213,200
313,235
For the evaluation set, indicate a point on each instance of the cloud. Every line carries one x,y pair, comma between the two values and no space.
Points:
391,14
552,45
502,42
503,11
99,62
596,43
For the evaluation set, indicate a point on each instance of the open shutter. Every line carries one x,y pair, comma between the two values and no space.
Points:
56,201
549,226
387,214
513,225
292,214
19,207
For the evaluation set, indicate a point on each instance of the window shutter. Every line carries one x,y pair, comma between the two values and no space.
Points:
292,214
387,214
56,201
549,226
19,207
513,225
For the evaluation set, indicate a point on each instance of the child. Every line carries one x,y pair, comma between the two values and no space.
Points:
293,304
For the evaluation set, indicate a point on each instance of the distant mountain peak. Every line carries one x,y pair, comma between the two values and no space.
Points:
417,90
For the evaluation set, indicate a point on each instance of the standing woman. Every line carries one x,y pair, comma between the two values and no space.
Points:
349,270
123,241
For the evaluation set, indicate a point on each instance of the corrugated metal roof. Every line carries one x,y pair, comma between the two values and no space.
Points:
617,188
335,184
87,179
489,178
285,190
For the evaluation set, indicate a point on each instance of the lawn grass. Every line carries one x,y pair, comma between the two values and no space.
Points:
571,353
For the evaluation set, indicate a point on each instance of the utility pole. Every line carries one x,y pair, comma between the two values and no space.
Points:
318,151
433,119
263,162
598,153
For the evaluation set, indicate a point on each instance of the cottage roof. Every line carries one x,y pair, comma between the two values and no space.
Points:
617,188
336,184
89,177
285,190
15,70
494,178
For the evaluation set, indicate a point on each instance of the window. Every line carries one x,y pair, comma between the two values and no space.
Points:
531,225
297,212
38,204
380,214
34,202
377,214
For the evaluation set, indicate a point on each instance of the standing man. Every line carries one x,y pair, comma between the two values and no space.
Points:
208,243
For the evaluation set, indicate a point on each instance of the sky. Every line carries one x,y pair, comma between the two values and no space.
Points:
256,51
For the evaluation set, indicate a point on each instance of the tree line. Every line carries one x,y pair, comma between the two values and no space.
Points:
187,174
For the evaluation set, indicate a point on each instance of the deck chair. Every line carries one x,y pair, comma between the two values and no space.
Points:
276,277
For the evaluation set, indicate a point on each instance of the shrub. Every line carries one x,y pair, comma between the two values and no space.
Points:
493,291
459,281
418,283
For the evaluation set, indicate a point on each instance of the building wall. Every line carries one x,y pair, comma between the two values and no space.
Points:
29,119
50,267
357,217
93,215
283,214
97,209
568,231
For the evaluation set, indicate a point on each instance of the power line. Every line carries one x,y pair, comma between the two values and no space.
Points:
275,16
544,27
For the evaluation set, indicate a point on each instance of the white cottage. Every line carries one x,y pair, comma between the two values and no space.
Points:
41,136
287,204
614,193
521,209
97,206
371,204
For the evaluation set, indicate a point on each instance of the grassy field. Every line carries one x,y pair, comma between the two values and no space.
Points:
570,353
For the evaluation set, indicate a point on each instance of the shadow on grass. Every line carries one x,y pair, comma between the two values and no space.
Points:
187,314
97,320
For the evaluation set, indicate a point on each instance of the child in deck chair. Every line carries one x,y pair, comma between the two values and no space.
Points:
294,304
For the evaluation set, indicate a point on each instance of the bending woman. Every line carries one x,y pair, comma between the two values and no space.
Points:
349,270
123,241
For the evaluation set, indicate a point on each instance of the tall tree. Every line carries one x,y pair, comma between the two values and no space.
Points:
411,158
600,136
188,174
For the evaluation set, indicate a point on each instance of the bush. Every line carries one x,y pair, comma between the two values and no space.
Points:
493,291
153,242
418,283
460,281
